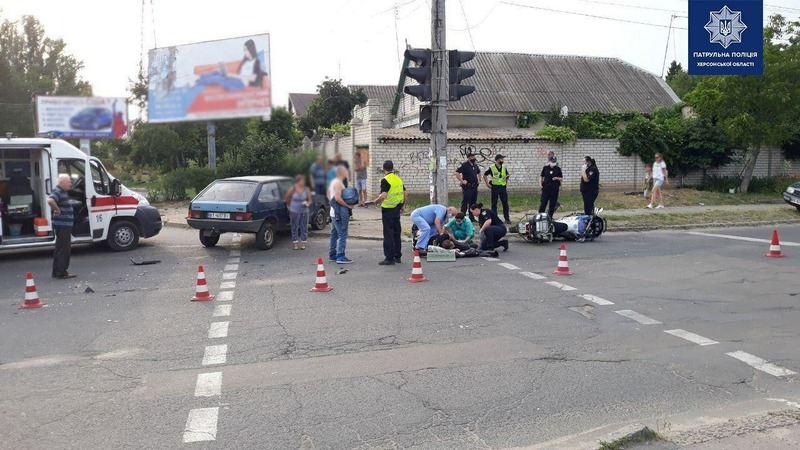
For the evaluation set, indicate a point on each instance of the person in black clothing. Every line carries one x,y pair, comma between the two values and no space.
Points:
590,185
496,179
550,181
467,176
391,208
491,228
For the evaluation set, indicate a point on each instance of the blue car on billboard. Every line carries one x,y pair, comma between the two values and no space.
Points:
92,119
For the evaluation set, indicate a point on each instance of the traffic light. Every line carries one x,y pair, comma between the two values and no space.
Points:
457,74
421,73
425,118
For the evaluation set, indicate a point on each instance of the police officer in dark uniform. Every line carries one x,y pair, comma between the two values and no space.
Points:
590,185
550,181
491,228
467,175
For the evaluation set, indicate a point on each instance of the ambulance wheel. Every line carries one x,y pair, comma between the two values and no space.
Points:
265,238
123,236
208,241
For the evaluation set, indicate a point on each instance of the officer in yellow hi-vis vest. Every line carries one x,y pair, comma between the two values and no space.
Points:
393,197
497,183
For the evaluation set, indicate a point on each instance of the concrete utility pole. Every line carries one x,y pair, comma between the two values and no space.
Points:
439,99
211,133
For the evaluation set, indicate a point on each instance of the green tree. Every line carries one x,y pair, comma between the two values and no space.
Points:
258,154
282,125
679,80
33,64
757,111
333,105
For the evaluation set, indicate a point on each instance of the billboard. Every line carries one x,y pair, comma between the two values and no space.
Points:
82,117
210,80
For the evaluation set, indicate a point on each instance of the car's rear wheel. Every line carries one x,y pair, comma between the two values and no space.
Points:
123,236
265,238
208,241
320,220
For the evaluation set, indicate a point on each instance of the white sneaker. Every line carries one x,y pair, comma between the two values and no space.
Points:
650,206
660,207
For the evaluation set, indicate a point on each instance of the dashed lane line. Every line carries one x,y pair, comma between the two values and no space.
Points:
534,276
596,300
561,286
236,260
231,268
222,310
691,337
215,354
208,385
236,253
225,296
761,364
490,259
227,285
218,330
742,238
508,266
633,315
201,425
229,275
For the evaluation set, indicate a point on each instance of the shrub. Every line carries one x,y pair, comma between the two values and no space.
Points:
770,185
173,185
562,135
297,163
719,183
199,177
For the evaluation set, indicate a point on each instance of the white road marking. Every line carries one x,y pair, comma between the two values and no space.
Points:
215,354
218,330
691,337
231,268
229,276
532,275
201,425
236,253
222,310
225,296
490,259
742,238
227,285
509,266
633,315
787,402
236,260
208,384
563,287
761,364
596,300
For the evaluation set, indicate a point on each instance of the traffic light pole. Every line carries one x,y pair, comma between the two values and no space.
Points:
439,97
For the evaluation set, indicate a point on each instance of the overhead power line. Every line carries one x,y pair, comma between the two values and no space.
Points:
466,22
594,16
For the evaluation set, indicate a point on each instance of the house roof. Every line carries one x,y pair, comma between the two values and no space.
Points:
517,82
298,103
459,134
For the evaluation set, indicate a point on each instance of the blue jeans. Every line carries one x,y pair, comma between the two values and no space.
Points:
425,229
340,222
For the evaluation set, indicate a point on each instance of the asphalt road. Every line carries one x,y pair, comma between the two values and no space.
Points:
483,355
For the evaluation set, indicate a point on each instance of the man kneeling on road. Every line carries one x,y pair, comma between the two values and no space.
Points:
430,221
492,228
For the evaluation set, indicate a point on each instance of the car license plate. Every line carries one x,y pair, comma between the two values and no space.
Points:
214,215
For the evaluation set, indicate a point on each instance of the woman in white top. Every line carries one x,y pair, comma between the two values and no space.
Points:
250,71
660,177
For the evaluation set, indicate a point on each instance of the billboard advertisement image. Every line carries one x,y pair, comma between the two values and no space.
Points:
82,117
210,80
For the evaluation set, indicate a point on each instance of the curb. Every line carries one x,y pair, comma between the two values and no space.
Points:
704,225
185,226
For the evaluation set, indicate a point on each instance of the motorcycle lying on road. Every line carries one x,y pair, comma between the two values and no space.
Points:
573,227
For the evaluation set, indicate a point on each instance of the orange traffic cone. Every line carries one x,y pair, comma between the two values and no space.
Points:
775,247
416,269
322,281
201,293
31,296
563,264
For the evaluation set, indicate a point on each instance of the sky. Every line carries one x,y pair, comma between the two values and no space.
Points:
359,41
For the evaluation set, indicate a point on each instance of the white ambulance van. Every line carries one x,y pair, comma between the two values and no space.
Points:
104,209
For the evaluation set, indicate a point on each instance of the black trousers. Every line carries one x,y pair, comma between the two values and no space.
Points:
63,250
588,202
390,217
549,195
493,235
502,193
469,196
